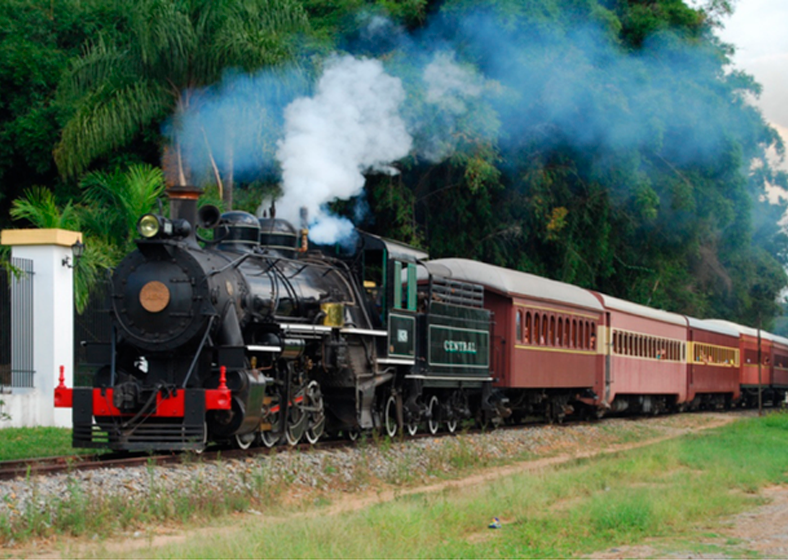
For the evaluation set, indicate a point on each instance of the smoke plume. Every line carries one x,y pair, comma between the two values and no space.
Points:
351,125
466,78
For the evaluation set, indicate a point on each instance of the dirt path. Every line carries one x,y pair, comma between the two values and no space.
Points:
764,530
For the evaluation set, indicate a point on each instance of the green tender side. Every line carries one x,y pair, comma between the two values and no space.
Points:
458,340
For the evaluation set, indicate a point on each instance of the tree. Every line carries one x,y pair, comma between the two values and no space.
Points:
37,40
174,48
107,216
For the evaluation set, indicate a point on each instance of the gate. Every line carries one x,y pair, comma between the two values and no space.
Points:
16,325
92,326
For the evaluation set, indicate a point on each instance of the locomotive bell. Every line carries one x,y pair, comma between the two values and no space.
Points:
334,314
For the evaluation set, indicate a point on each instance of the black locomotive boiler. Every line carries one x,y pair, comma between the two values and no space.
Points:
253,337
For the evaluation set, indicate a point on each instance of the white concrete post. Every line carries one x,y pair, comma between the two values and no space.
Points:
53,320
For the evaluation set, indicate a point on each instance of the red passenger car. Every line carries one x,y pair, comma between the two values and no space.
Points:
753,375
544,344
646,351
713,363
780,364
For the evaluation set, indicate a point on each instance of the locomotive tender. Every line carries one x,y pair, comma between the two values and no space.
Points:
253,337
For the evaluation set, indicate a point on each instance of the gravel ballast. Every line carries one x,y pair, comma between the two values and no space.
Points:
369,464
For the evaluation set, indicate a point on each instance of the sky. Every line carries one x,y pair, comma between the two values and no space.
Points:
759,31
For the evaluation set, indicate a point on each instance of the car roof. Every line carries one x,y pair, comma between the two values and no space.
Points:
512,282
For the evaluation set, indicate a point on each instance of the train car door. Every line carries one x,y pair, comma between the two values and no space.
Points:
609,349
402,311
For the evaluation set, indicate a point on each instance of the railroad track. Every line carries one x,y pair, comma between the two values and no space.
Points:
71,463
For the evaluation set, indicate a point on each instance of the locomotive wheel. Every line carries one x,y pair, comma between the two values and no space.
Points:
412,428
269,438
317,417
244,441
297,421
432,423
352,434
390,417
451,425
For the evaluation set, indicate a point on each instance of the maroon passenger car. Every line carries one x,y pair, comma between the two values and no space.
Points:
753,375
645,368
713,362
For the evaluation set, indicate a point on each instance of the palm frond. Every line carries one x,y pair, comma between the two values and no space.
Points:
100,63
108,119
38,206
97,258
118,199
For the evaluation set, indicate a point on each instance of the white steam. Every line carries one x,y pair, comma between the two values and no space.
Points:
450,88
449,85
350,125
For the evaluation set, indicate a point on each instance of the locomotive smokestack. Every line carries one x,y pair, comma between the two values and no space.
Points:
183,203
304,230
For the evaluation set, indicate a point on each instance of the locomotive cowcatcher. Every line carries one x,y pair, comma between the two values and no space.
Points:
253,337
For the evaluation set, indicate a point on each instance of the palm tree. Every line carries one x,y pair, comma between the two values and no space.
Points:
38,206
171,50
114,201
107,217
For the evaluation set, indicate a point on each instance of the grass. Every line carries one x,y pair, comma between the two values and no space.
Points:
32,443
675,492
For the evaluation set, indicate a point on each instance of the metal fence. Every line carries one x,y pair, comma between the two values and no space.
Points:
16,325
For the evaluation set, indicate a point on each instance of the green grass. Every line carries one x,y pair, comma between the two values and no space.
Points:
31,443
674,492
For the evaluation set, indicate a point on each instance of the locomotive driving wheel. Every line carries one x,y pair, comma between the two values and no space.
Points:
244,441
316,417
390,417
297,418
432,422
271,437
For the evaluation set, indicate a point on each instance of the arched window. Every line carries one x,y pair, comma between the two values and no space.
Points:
567,333
588,335
559,337
537,324
574,333
552,330
528,329
518,326
593,336
543,337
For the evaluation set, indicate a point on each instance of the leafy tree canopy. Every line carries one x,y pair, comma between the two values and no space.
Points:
596,142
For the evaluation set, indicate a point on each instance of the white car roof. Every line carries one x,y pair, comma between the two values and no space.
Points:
742,329
611,302
711,326
512,282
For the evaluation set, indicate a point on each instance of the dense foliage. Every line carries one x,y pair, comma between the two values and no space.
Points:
606,144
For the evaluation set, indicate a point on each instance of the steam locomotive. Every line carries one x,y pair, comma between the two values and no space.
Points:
252,337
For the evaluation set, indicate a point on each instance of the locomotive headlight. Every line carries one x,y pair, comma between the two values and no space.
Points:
148,226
